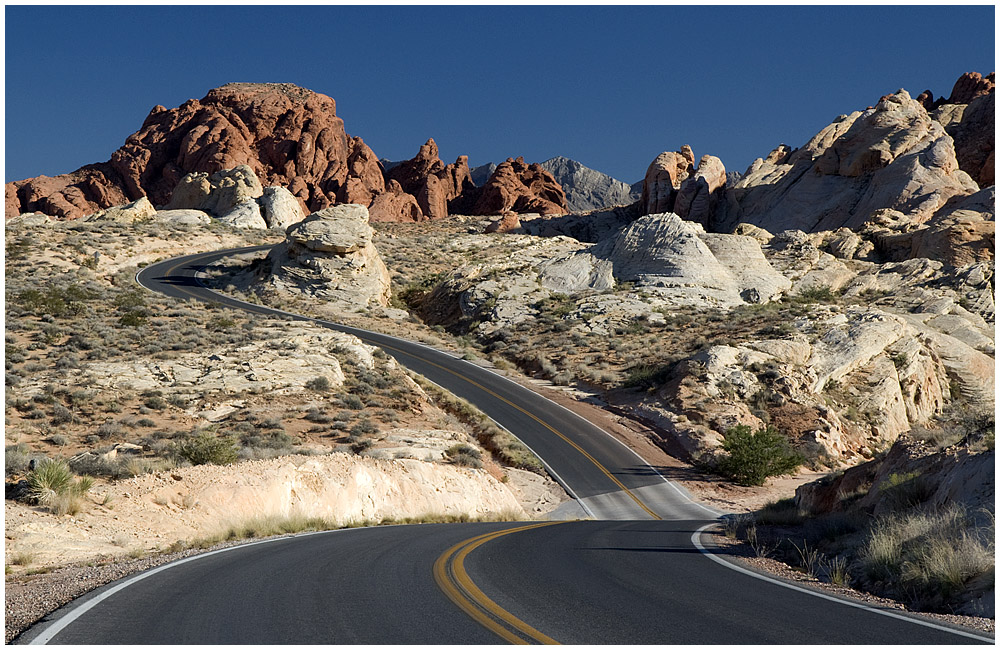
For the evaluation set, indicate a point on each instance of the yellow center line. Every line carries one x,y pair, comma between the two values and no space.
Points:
538,420
531,415
454,581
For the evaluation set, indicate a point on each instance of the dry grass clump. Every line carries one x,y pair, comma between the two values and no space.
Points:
501,443
927,556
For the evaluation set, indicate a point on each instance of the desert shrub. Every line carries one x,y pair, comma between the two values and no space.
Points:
16,458
318,384
780,513
753,456
902,491
111,430
207,449
362,444
61,414
353,402
647,376
51,484
464,455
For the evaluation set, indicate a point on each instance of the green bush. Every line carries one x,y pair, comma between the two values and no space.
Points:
207,449
753,456
318,384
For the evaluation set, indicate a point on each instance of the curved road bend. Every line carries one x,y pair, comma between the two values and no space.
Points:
608,479
581,582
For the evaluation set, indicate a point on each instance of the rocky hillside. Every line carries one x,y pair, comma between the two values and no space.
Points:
587,189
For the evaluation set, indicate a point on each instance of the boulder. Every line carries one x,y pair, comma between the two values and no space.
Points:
280,208
218,193
183,217
330,256
28,220
395,206
141,210
507,223
244,215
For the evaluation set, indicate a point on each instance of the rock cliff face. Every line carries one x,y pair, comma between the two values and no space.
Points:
969,117
587,189
330,256
518,187
674,184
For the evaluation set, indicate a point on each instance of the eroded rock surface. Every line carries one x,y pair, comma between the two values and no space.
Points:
518,187
330,256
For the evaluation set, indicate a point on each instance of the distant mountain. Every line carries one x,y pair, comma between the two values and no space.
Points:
587,189
388,164
482,173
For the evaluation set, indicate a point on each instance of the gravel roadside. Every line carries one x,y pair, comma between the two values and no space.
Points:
29,598
740,552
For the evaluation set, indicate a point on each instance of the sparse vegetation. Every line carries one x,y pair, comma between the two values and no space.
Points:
206,448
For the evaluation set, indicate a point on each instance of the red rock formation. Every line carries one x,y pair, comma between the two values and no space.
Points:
518,187
364,175
433,183
971,85
395,205
288,135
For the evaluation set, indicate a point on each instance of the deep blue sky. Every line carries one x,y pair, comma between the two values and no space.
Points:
610,87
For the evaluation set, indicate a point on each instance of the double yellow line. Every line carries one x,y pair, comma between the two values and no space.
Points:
540,421
451,577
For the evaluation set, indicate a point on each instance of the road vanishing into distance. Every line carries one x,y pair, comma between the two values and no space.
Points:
629,566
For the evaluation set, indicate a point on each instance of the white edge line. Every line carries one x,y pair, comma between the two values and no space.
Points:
715,513
696,539
61,623
551,471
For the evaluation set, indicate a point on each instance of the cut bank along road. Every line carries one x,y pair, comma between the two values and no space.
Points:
645,580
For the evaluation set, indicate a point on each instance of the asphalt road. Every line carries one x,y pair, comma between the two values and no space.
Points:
632,575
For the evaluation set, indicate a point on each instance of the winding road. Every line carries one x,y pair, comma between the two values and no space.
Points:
636,570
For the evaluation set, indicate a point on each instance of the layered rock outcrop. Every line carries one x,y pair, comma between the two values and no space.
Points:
519,187
892,156
289,136
330,256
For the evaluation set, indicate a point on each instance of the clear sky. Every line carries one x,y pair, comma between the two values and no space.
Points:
610,87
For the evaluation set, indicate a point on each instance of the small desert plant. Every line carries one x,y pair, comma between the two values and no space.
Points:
51,484
465,455
753,456
318,384
836,571
208,449
810,559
